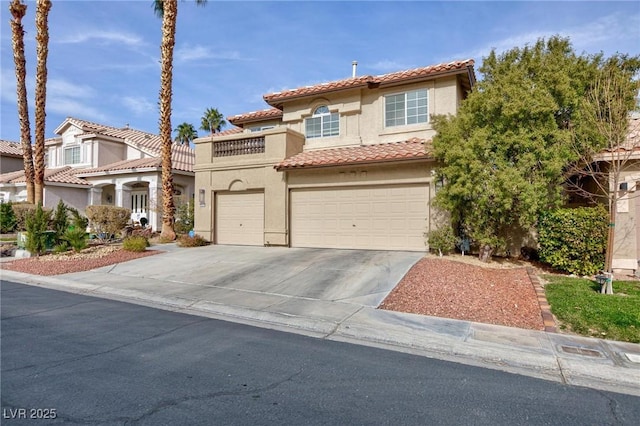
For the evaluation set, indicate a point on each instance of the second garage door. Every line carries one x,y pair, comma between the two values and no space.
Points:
240,218
372,217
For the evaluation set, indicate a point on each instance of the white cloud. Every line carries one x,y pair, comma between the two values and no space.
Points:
186,53
104,37
74,108
138,105
592,37
63,88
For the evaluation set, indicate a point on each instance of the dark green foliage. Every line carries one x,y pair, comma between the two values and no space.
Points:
60,220
8,218
574,240
36,224
21,211
135,243
195,241
442,240
184,217
581,309
76,238
504,155
77,220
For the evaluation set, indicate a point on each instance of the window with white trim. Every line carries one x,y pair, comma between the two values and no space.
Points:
406,108
72,155
323,123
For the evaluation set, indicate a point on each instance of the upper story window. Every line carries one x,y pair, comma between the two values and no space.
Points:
323,123
260,128
406,108
72,155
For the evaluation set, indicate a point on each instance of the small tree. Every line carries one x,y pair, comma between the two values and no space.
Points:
60,220
599,170
185,217
212,121
185,133
8,219
107,221
37,223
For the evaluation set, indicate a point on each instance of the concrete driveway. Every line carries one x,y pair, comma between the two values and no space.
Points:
360,277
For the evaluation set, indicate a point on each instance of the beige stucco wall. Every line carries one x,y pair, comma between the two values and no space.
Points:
626,249
107,152
253,172
362,113
10,164
73,197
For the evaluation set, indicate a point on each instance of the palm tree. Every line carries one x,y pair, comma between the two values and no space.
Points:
18,10
168,10
42,50
212,120
186,133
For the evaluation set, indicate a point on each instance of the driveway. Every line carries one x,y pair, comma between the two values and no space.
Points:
361,277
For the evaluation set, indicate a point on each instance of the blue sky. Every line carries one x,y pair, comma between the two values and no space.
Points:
104,55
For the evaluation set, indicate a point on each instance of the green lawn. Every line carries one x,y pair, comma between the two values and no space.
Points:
578,304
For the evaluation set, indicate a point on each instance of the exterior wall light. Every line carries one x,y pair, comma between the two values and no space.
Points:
201,197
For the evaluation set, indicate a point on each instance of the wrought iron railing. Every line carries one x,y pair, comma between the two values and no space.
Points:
239,147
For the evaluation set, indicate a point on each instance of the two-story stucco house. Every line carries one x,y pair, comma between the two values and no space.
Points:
90,163
344,164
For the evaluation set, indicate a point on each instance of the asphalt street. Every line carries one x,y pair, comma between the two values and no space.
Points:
84,360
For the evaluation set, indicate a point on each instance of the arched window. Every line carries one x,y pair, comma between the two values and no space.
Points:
322,123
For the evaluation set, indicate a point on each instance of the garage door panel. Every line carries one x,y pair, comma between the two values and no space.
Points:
240,218
385,217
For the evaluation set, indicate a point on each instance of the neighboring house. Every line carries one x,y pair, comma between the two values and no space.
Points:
626,253
10,157
91,164
344,164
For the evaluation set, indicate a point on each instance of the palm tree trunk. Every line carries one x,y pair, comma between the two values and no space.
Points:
42,49
18,10
169,18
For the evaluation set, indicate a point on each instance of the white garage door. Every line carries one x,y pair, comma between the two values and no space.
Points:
240,218
373,217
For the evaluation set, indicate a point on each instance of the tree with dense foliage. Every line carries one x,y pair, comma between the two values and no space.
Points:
212,121
186,133
18,10
168,11
504,154
598,172
42,52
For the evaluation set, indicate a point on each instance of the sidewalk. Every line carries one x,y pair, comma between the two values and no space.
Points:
595,363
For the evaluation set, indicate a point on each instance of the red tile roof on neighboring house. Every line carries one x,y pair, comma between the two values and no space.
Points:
274,99
412,149
11,149
255,116
232,131
60,175
178,162
146,142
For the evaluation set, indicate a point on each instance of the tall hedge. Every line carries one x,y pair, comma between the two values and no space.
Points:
574,239
106,221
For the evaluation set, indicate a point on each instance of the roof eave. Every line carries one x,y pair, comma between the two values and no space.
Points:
353,163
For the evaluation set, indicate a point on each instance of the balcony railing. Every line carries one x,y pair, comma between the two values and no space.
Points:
239,147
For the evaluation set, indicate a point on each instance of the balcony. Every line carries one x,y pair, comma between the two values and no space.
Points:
239,147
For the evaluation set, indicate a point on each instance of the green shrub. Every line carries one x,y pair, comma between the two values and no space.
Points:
184,217
8,218
36,224
108,220
60,220
76,238
78,220
22,210
442,240
574,240
62,247
195,241
135,243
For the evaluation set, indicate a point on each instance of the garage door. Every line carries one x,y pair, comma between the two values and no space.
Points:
373,217
240,218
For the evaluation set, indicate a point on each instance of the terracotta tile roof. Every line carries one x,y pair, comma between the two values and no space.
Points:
60,175
632,141
232,131
363,81
412,149
146,142
179,160
255,116
11,149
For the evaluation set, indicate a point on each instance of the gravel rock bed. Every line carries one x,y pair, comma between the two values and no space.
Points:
465,290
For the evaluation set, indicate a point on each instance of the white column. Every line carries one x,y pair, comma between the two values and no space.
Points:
155,204
123,196
95,196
